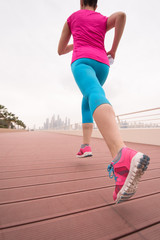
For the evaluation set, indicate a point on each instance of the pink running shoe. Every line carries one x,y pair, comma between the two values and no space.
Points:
127,169
84,152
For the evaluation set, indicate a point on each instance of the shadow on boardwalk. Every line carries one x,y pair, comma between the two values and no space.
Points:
47,193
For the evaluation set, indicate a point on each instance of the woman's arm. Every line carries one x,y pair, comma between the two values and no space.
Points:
63,46
117,21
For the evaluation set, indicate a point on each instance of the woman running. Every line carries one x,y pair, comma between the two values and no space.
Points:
90,68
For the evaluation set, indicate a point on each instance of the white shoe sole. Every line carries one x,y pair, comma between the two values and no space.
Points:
139,164
86,154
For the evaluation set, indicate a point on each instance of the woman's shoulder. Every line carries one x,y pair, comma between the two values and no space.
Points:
76,13
85,12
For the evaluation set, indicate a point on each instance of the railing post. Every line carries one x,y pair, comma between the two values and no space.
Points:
118,121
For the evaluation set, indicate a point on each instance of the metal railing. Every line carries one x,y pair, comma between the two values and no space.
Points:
149,118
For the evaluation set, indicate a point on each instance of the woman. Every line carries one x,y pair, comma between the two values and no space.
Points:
90,67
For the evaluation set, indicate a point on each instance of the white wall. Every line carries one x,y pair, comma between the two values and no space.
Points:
146,136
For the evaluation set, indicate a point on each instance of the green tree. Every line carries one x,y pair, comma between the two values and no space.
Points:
8,119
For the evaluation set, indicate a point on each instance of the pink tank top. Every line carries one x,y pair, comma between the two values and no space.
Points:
88,29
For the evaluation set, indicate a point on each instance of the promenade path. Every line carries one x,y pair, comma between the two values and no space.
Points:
46,193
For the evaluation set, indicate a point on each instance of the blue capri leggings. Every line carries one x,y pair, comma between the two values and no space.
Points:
90,75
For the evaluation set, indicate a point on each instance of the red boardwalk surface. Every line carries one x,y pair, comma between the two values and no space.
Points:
46,193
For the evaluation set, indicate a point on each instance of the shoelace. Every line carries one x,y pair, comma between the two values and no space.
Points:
110,169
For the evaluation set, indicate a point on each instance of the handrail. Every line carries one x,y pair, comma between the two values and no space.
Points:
139,121
143,116
125,114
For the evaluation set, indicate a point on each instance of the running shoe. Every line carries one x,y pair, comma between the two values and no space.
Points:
84,152
127,169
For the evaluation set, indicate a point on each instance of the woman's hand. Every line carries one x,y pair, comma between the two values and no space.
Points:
63,46
111,53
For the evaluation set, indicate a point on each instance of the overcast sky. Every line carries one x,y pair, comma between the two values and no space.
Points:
36,83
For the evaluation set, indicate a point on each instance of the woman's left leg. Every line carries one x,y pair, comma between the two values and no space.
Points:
87,127
87,132
90,78
87,119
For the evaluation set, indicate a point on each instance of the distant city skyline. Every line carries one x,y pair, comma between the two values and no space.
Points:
56,123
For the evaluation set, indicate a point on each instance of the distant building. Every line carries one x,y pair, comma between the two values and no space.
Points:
56,123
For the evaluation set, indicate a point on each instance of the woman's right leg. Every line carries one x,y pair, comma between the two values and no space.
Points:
105,119
128,165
